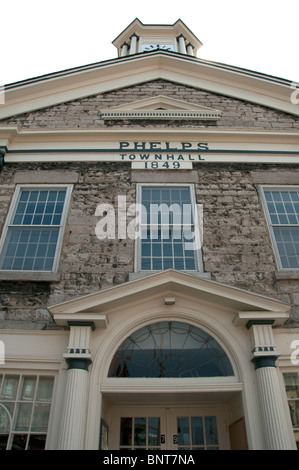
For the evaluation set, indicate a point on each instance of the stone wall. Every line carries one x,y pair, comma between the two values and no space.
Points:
237,250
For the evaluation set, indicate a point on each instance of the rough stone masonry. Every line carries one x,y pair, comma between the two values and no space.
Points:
236,249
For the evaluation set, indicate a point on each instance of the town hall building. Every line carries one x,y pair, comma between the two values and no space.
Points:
149,253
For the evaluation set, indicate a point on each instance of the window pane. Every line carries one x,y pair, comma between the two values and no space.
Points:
288,245
4,420
126,431
3,441
39,207
167,209
24,408
292,384
40,417
197,430
170,349
211,430
183,431
153,431
23,417
10,387
140,431
294,411
29,249
45,389
26,246
19,442
283,211
28,388
37,442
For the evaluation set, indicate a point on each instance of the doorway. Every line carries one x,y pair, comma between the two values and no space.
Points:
169,428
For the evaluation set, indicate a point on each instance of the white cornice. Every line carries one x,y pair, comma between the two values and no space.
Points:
119,73
17,134
98,144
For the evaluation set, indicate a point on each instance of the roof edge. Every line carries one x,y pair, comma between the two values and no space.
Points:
119,73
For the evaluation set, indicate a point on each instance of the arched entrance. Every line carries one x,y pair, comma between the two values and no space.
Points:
103,329
171,388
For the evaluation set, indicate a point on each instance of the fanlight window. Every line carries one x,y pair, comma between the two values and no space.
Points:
170,349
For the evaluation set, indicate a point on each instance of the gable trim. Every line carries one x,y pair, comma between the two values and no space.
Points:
119,73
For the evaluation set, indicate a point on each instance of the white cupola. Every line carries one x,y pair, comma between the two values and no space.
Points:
142,38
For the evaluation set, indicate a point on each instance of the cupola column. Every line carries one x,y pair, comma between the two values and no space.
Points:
78,359
272,409
124,49
190,49
133,47
182,45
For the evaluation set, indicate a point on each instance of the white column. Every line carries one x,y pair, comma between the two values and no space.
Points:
276,432
182,45
78,358
271,402
190,49
74,413
124,50
133,46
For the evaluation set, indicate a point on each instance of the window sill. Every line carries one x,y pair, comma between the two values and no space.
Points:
28,276
141,274
287,275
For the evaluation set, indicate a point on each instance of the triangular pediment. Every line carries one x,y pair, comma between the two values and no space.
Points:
81,82
243,305
160,107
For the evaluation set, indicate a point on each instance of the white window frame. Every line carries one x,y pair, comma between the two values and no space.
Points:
11,213
198,253
269,222
18,400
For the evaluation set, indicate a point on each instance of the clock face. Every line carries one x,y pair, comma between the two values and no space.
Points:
152,47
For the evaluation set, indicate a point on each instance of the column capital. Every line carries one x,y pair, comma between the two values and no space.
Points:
262,338
264,353
78,354
134,35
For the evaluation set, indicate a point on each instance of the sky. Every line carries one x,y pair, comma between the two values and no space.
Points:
40,37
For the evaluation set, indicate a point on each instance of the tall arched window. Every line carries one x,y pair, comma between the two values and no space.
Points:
170,349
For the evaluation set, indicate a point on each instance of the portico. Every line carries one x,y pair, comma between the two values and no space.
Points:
235,322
